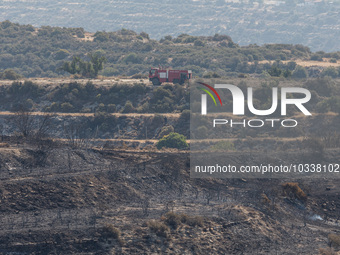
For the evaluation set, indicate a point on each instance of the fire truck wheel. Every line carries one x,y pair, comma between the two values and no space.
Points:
175,81
155,81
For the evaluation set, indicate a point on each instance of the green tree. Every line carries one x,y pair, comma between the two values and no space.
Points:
199,43
88,69
97,62
61,54
275,71
132,58
101,36
300,72
330,71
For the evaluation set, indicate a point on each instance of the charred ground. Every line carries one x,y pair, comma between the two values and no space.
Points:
106,201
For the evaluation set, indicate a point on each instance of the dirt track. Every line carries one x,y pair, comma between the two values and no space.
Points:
107,81
76,114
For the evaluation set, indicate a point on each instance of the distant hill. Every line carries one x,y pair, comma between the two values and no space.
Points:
41,52
311,23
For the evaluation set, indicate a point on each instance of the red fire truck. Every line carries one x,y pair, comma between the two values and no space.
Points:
159,75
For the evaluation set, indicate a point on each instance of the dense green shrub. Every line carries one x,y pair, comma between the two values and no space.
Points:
84,68
61,54
173,140
331,104
300,72
331,72
10,74
322,86
28,89
201,132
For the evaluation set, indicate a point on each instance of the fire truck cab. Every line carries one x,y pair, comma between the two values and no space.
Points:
157,76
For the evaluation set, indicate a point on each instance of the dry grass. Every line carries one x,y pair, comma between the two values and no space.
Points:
292,189
304,63
308,63
4,145
265,199
174,220
192,221
334,239
326,251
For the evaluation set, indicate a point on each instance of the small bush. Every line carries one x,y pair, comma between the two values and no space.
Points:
128,107
165,131
334,104
143,108
159,228
211,75
265,199
326,251
300,72
315,145
101,108
61,54
173,140
334,239
175,220
201,132
331,72
111,108
66,107
316,57
199,43
109,231
292,189
192,221
184,117
10,74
